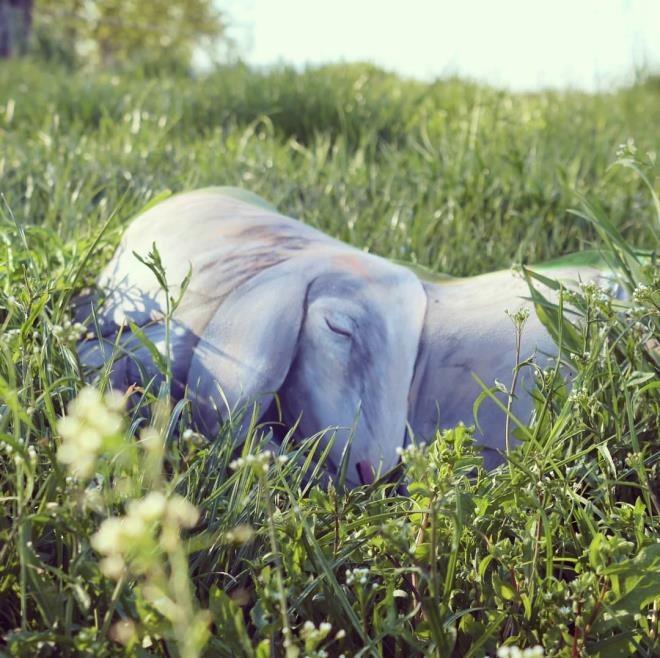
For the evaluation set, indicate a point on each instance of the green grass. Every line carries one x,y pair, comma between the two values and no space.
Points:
559,548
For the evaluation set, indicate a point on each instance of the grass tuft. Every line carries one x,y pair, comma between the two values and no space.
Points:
124,532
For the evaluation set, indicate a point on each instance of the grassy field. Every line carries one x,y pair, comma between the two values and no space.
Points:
123,532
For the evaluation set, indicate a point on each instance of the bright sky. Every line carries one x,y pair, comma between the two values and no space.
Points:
521,44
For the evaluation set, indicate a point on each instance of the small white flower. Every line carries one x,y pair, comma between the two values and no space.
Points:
533,652
641,293
132,528
241,534
182,511
92,421
112,566
359,575
150,438
150,508
107,539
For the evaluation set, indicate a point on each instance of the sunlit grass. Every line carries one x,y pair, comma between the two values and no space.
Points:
558,549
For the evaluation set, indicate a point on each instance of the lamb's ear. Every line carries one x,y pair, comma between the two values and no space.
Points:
245,352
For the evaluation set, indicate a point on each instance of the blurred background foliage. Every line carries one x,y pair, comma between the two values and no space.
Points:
158,34
458,176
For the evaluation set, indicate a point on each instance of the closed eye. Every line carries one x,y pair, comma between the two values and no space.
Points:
340,326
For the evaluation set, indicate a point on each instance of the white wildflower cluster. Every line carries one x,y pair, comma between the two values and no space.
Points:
585,357
628,149
416,459
8,335
520,317
259,463
546,375
8,448
20,454
311,632
360,576
312,638
593,292
124,632
93,425
634,460
641,293
640,331
192,439
411,451
515,652
240,534
640,313
131,540
579,397
69,332
10,300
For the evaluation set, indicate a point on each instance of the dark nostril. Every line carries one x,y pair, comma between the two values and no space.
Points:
365,472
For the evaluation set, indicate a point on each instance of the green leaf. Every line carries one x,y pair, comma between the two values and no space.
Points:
483,565
503,589
228,617
648,559
641,593
552,316
263,649
618,646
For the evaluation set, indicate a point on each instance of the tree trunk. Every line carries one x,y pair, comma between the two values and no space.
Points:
5,30
15,26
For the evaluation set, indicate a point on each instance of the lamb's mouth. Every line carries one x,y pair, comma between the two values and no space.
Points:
365,471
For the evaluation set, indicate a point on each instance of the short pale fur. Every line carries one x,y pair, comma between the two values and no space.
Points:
346,339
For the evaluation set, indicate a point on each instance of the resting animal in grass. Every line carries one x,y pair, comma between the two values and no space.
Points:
344,338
